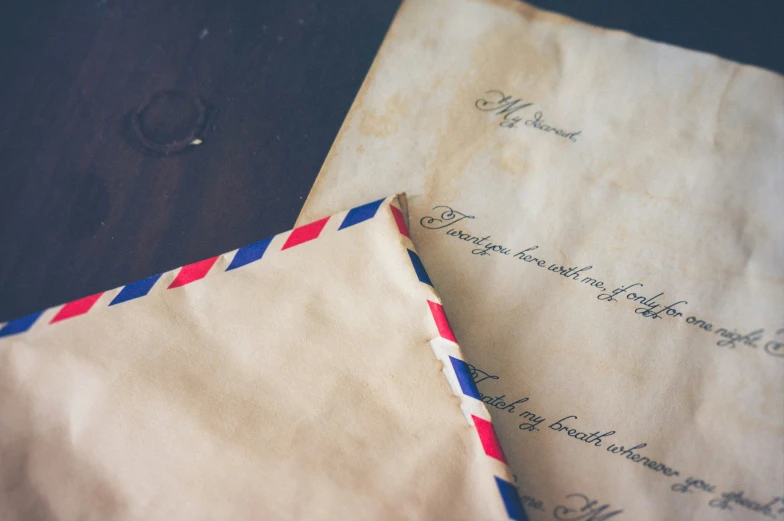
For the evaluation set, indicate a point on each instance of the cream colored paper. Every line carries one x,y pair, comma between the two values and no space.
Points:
631,164
299,386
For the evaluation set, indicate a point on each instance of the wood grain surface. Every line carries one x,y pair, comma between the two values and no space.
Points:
85,207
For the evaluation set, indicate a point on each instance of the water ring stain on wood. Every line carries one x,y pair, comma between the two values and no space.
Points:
170,121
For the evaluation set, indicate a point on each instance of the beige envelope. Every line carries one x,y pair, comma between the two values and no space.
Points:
297,378
603,218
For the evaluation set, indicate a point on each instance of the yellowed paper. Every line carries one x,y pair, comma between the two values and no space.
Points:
603,218
296,379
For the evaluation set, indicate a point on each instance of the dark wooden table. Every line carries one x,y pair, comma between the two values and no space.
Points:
85,206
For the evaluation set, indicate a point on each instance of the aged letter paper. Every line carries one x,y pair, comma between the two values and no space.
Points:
309,376
603,218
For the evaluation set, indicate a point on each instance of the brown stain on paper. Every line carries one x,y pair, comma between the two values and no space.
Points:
384,122
501,62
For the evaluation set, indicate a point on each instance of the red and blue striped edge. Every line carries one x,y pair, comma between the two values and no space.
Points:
456,370
458,374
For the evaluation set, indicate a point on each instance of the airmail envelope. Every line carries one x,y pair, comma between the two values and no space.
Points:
312,375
